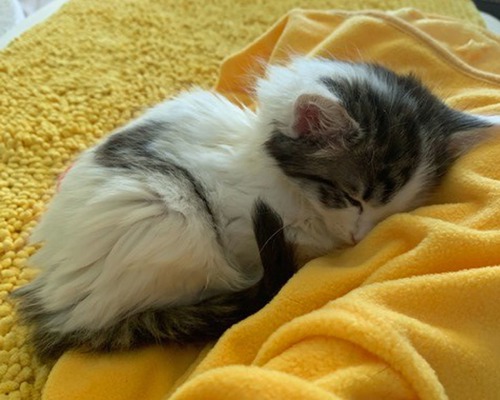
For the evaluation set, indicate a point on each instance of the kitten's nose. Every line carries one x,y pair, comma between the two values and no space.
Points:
361,232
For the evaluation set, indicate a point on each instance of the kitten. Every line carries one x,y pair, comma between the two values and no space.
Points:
152,235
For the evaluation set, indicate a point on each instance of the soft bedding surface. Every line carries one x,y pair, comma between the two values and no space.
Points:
410,312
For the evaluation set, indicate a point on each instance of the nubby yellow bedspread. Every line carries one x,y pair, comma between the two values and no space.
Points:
411,312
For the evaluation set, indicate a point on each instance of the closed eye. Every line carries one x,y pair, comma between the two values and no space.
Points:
354,202
331,195
314,178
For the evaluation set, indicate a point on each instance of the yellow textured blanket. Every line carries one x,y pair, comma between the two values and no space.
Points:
410,312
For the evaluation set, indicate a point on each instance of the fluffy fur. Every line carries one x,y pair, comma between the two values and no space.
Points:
151,237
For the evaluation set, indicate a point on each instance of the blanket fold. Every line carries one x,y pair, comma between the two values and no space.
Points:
408,313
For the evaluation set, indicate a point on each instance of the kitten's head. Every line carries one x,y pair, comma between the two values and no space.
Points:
362,142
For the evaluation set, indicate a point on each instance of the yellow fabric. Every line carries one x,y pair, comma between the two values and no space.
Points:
415,309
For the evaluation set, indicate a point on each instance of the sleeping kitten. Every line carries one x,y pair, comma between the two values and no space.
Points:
151,236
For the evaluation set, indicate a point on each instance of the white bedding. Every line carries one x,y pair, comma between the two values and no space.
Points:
18,23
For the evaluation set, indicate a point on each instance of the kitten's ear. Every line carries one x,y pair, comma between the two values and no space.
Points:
318,115
463,141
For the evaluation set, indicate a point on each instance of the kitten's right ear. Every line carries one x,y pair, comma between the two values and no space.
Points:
320,116
463,141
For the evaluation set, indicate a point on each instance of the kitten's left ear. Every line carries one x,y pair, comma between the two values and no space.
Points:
316,115
463,141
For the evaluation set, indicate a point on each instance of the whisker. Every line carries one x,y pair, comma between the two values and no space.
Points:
272,236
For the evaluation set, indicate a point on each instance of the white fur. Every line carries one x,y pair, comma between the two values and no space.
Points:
109,239
492,119
284,85
112,248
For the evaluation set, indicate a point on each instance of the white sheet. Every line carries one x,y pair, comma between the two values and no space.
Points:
26,23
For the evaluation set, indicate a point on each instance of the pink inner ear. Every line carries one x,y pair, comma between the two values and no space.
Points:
307,118
315,114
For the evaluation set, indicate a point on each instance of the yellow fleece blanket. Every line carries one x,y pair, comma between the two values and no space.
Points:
410,312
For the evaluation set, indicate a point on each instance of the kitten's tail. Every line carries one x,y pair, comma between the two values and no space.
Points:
200,322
